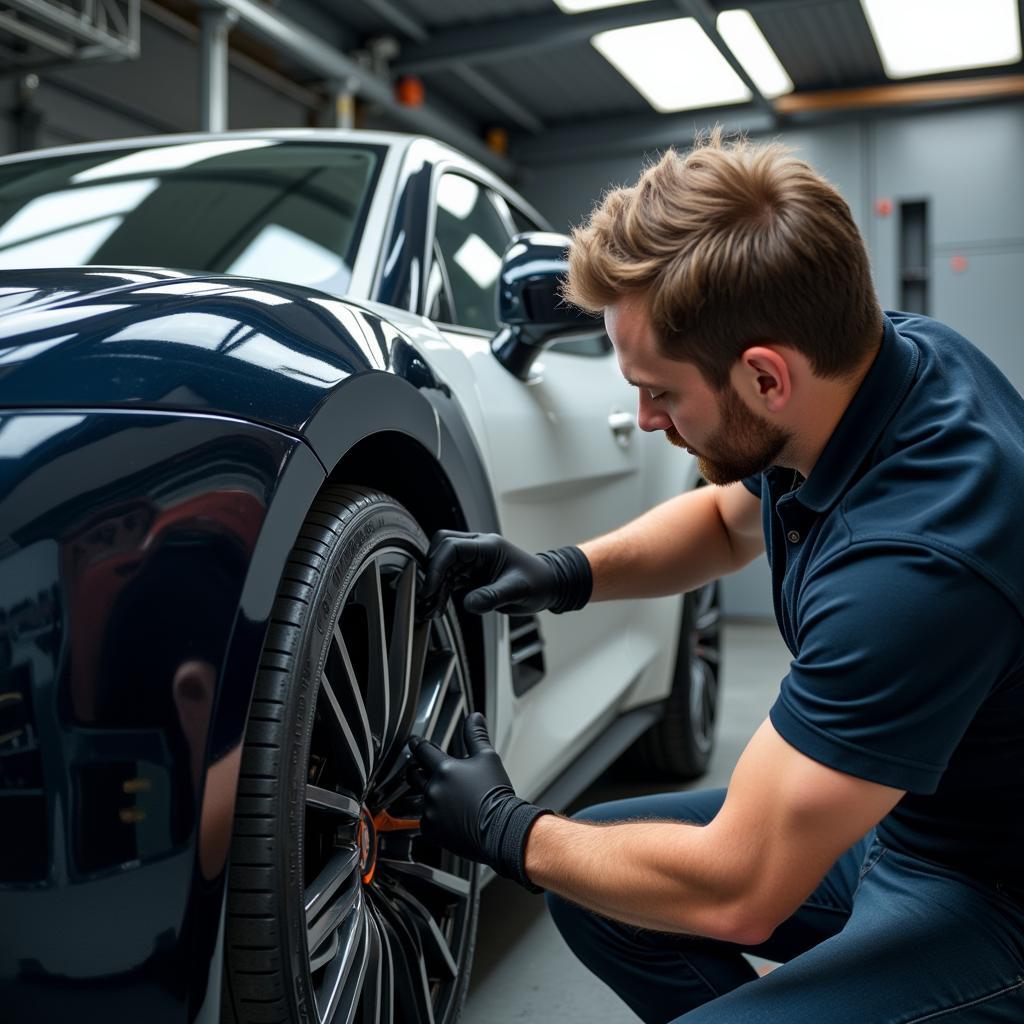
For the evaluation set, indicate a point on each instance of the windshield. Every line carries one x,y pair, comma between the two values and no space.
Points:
289,211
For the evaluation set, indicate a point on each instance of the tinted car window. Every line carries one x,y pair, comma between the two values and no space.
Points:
472,238
260,207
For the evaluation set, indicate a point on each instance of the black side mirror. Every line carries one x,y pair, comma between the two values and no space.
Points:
530,307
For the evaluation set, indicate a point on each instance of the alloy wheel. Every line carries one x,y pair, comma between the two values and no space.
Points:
387,915
705,657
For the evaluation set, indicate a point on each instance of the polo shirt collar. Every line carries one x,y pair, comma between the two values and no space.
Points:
858,431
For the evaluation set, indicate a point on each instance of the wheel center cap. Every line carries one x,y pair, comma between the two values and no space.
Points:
366,840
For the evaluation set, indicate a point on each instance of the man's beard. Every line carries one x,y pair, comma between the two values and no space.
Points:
744,443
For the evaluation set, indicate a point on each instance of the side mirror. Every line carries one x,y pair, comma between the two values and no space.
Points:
530,307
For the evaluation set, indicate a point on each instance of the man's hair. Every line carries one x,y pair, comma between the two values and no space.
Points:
733,244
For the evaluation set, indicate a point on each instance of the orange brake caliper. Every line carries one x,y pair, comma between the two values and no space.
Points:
383,822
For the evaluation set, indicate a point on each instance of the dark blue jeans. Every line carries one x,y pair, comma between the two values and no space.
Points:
885,939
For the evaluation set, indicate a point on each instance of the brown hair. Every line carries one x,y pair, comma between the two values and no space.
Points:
730,245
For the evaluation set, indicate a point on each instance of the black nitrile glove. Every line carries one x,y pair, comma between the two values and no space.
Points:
506,578
469,806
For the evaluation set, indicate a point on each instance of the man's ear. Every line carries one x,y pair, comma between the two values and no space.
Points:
762,375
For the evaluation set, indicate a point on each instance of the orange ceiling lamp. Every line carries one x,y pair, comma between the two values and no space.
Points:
409,91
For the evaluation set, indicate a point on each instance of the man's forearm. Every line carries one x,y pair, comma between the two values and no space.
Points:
677,546
665,876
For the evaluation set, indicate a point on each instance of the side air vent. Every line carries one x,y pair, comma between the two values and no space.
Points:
527,647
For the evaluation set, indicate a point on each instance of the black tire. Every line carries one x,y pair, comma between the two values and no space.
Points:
680,744
337,908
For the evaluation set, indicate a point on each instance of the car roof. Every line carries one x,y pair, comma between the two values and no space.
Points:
393,140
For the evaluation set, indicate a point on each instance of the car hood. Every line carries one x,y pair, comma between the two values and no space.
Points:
160,339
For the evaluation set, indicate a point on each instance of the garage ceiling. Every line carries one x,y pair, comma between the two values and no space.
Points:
529,56
527,67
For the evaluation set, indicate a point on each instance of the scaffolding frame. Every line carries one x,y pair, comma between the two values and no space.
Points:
65,31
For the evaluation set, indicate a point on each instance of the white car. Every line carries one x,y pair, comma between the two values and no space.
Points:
243,378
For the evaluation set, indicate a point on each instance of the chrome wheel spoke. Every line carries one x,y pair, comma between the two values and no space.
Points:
411,982
383,1011
407,647
327,800
351,699
327,952
367,593
385,950
435,946
370,998
346,745
437,677
436,878
706,600
337,915
344,973
452,712
323,915
707,654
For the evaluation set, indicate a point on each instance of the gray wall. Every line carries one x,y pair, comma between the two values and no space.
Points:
966,163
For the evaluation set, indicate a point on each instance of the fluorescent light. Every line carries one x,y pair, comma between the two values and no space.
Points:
921,37
747,42
673,64
575,6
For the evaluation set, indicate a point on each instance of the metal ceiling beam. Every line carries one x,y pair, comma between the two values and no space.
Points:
707,17
509,37
903,94
302,45
499,98
494,94
600,138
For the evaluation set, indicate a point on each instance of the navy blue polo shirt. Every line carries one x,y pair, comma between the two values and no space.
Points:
898,578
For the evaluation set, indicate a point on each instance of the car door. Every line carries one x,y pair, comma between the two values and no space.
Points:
567,464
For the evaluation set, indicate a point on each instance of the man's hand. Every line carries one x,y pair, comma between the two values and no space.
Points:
469,806
503,577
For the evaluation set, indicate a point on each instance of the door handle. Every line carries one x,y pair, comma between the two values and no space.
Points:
622,425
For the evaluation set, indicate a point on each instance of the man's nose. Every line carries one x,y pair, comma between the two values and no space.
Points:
649,417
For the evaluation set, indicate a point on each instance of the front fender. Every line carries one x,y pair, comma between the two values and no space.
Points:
139,554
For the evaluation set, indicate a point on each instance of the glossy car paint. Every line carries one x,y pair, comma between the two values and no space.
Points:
139,565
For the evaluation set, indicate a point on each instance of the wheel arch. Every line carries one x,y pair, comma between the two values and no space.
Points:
400,466
379,430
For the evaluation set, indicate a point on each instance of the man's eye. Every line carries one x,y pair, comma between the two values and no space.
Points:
655,395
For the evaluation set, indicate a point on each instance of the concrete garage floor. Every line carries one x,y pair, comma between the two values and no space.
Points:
523,971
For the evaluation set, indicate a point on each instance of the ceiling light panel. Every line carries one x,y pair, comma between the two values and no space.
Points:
575,6
747,42
921,37
673,64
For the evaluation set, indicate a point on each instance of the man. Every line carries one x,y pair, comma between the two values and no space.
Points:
872,835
